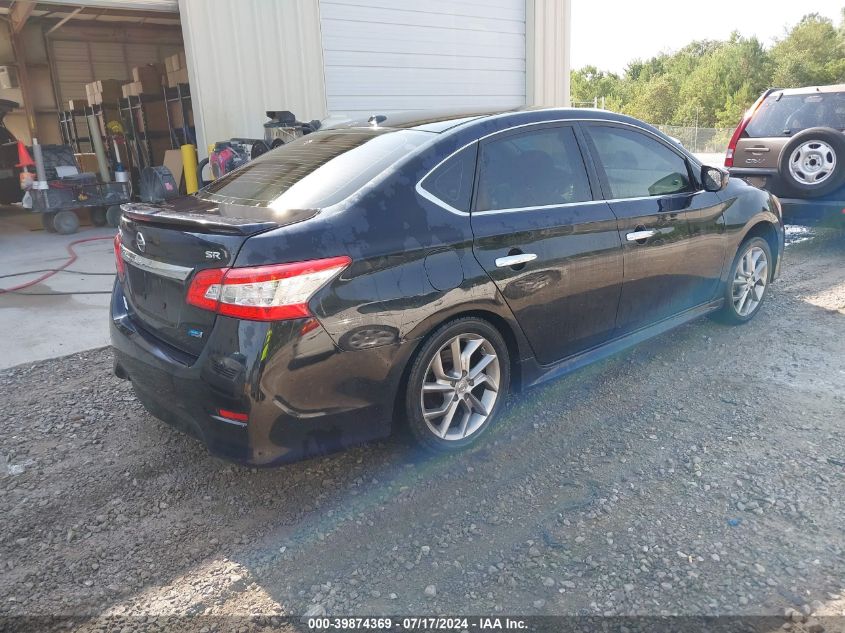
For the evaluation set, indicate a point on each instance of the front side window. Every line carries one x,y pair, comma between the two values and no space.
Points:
538,168
637,166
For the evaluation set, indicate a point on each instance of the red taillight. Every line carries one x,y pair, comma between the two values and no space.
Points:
729,155
118,258
264,293
233,415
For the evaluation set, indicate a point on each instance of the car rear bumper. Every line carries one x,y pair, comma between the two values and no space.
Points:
816,210
303,397
812,211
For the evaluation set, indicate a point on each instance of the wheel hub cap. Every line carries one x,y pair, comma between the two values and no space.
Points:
461,387
749,284
812,162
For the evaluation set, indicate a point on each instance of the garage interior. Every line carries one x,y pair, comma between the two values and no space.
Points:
153,76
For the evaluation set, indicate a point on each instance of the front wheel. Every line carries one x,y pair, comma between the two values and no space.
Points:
748,283
457,385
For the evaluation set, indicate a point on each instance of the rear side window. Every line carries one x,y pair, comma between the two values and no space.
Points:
784,115
637,166
532,169
314,171
451,182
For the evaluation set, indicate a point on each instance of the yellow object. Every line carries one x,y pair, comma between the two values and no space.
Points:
115,128
189,162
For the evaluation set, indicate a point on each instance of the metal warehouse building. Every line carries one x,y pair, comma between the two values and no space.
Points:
312,57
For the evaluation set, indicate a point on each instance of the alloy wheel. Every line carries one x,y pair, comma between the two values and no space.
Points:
460,387
750,279
812,163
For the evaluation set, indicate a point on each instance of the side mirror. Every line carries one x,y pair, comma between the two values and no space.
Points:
713,178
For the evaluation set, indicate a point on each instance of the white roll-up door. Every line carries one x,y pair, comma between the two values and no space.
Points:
382,55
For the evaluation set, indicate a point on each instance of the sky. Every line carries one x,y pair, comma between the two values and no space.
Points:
610,33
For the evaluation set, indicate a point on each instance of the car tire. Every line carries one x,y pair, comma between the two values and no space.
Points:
98,216
66,222
448,409
113,215
745,295
47,221
804,158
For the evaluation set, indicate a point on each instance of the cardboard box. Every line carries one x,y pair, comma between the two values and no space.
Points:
177,77
149,77
108,90
156,115
176,115
175,62
104,91
77,104
87,163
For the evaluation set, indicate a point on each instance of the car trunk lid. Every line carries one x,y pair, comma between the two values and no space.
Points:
163,247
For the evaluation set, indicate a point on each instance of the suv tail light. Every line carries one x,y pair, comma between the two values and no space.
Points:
746,119
118,258
264,293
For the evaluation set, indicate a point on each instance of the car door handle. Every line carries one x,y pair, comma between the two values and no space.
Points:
638,236
758,149
515,260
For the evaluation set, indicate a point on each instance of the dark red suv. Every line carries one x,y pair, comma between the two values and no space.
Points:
791,143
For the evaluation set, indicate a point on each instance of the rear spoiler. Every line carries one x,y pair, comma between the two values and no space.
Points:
199,219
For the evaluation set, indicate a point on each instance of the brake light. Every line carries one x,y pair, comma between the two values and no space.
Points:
233,415
264,293
746,119
118,258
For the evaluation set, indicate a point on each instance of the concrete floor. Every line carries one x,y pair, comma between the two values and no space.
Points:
39,327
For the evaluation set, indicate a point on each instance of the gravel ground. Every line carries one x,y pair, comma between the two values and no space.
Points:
700,473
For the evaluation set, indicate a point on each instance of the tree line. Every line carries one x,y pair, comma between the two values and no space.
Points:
712,83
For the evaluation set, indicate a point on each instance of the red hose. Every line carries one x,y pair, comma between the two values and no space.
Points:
68,263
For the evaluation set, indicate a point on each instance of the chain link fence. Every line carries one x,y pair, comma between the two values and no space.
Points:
700,140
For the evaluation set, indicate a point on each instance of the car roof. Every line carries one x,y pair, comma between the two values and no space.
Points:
810,90
439,121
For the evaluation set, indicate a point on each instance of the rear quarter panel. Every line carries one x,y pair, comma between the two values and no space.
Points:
412,261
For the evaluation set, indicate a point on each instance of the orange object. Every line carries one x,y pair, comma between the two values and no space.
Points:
24,159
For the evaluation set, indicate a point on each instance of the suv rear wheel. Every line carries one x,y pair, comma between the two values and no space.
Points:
812,163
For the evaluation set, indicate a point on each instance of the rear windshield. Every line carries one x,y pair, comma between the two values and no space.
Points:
784,115
313,171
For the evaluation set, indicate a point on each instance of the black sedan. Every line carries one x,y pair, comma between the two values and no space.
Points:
411,271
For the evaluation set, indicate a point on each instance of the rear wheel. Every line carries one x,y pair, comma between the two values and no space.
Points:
457,385
66,222
113,216
47,221
98,216
748,282
812,163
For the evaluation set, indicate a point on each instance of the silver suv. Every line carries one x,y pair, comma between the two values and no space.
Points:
791,143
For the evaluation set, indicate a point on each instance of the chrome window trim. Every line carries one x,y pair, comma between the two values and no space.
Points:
430,196
562,205
171,271
444,205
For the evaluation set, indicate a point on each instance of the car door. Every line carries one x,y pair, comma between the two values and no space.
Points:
551,248
668,225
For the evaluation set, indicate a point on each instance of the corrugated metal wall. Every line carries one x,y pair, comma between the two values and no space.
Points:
548,26
80,62
383,55
250,56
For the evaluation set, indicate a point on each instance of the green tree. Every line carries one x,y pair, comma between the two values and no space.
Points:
713,83
811,54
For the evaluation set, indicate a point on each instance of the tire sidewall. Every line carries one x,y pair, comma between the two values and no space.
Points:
413,413
66,222
747,245
836,140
